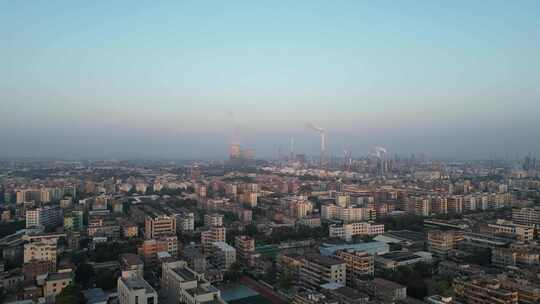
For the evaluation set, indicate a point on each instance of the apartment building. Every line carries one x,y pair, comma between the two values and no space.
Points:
245,247
360,264
213,220
224,255
158,225
526,216
521,232
440,242
212,235
483,290
47,216
45,250
149,248
348,231
317,270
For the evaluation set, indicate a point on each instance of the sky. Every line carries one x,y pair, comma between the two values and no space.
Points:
172,79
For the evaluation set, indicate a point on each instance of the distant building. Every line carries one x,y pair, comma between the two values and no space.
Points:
47,217
483,290
360,264
348,231
440,242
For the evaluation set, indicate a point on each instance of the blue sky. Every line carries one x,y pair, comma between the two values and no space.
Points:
146,79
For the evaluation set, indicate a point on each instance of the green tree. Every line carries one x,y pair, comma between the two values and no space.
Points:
84,274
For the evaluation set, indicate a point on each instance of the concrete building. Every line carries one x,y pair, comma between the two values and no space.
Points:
135,290
521,232
212,235
482,290
348,231
55,283
318,270
442,241
45,250
131,262
526,216
384,290
180,284
373,247
150,248
224,255
47,216
213,220
360,264
245,247
185,222
159,225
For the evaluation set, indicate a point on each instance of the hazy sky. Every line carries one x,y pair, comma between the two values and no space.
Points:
160,79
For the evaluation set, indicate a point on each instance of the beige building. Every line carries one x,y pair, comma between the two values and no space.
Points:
245,246
317,270
45,250
359,264
483,290
213,220
440,242
521,232
212,235
159,225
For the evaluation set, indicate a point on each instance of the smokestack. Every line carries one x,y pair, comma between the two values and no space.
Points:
291,157
323,142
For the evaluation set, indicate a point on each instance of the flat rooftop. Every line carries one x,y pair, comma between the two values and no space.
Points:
138,283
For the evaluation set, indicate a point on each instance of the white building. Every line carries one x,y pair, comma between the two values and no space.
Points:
180,284
135,290
347,231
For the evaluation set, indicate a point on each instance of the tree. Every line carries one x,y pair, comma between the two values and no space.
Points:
107,279
69,295
84,273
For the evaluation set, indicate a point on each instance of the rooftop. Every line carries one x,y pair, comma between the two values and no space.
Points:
136,283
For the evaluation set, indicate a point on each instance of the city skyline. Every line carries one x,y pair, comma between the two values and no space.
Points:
123,80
